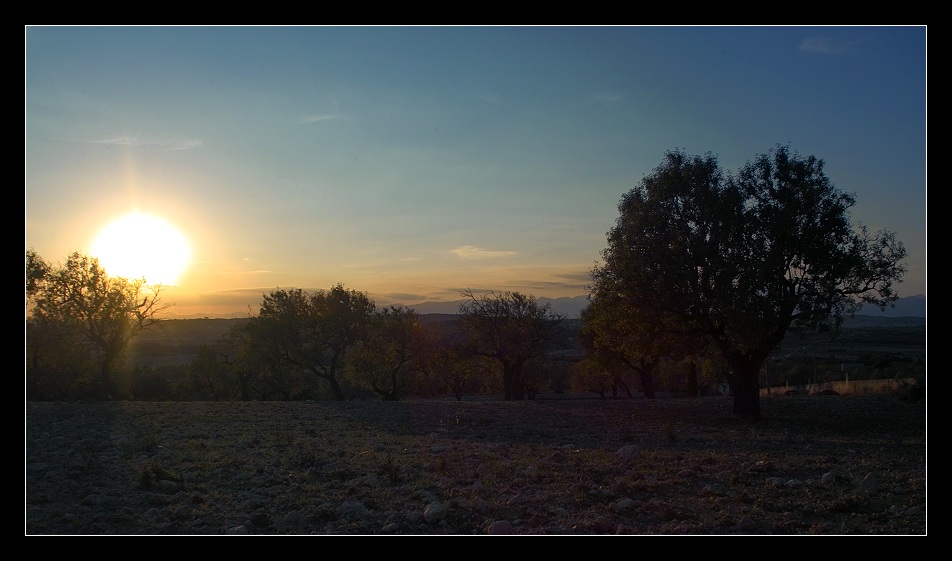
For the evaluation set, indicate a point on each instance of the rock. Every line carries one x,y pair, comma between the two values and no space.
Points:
295,518
434,512
260,519
499,528
628,451
604,526
353,509
869,484
367,480
622,504
167,486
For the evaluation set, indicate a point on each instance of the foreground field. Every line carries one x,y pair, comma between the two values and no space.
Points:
813,465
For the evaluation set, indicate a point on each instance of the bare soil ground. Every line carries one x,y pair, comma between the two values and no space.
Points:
818,464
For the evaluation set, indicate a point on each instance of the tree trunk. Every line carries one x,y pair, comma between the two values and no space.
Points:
693,381
108,389
518,394
507,387
746,388
618,381
335,387
647,384
745,382
513,388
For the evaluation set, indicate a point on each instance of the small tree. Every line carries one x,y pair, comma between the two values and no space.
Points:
591,375
208,376
85,306
617,329
56,367
383,359
510,328
443,363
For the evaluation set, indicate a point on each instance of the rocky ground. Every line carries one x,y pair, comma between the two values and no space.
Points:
821,464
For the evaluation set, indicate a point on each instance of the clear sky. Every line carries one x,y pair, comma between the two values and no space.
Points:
414,162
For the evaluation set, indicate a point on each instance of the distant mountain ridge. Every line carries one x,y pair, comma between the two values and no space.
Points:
571,308
910,306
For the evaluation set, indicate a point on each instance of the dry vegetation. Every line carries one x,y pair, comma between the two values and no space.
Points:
820,464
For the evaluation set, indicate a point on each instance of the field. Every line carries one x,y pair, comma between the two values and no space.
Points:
814,464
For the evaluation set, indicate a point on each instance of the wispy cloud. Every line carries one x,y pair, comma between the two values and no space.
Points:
310,119
608,99
826,46
584,277
403,296
473,252
131,140
185,145
490,98
542,286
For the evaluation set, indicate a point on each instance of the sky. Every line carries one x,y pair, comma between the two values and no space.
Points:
413,163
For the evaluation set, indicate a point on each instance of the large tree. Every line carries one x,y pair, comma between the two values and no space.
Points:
301,333
88,310
510,328
742,258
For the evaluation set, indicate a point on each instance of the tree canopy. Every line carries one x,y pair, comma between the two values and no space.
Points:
740,259
308,333
384,358
510,328
79,307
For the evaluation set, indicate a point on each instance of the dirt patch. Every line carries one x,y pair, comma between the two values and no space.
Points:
812,465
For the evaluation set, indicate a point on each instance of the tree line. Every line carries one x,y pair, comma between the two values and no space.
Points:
329,344
704,268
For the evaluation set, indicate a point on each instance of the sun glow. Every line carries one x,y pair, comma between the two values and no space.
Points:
142,246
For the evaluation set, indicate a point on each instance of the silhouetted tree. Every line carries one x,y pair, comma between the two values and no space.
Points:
56,367
623,330
741,259
591,374
510,328
208,375
443,363
296,332
383,358
88,310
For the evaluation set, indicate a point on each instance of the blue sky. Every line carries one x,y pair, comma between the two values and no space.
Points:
414,162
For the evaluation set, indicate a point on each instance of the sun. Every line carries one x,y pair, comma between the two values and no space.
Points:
141,245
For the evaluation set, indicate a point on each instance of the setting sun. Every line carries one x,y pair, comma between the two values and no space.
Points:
142,246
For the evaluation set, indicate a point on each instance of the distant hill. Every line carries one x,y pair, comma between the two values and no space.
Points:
178,341
905,307
570,307
910,306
